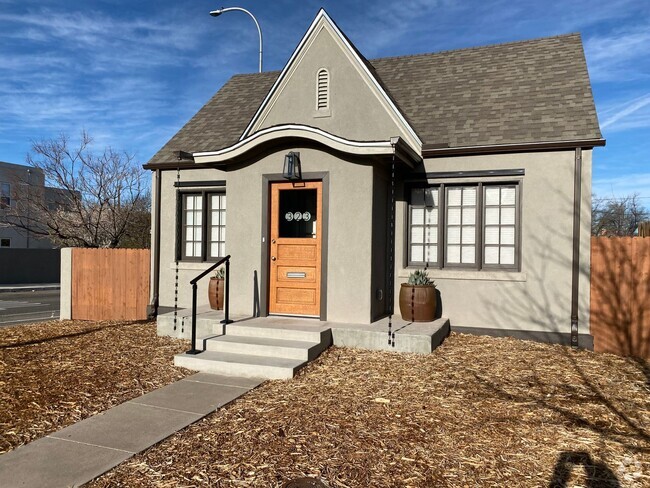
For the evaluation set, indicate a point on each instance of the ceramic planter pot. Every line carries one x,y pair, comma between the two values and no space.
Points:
417,303
215,293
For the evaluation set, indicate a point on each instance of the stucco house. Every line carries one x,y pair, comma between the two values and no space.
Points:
473,163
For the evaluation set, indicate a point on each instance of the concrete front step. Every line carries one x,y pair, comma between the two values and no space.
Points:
265,346
289,330
245,365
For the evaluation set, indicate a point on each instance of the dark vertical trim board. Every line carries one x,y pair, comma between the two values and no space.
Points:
575,278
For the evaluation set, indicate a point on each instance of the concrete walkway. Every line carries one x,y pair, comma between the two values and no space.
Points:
87,449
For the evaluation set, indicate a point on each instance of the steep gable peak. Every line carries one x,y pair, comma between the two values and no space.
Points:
324,53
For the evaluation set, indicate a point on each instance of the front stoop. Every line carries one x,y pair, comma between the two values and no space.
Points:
259,349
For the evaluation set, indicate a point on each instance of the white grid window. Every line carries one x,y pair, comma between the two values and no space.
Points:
464,226
500,225
423,232
217,244
461,225
192,225
203,226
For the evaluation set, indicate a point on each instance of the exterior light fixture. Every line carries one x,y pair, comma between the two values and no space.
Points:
219,11
291,169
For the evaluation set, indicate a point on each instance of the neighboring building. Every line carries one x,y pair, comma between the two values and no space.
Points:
21,183
491,149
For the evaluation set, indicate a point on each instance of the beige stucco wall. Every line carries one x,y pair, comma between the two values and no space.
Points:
539,296
349,230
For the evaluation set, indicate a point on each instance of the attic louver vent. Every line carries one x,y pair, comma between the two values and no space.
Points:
323,90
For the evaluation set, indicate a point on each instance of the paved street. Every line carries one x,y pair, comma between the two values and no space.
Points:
26,307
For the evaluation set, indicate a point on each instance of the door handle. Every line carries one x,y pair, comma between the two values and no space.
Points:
272,258
272,241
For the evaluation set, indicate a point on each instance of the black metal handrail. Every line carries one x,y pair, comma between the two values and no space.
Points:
226,301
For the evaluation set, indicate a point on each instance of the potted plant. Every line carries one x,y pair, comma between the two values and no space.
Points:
417,298
216,289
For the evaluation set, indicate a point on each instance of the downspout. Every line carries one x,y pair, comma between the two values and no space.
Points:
153,307
575,279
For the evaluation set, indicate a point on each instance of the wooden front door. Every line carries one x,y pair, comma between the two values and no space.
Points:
295,248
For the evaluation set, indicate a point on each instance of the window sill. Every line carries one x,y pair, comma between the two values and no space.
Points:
468,274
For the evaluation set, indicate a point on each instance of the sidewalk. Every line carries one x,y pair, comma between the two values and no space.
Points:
87,449
30,287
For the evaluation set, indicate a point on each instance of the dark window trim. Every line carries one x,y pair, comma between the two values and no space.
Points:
480,231
180,229
197,184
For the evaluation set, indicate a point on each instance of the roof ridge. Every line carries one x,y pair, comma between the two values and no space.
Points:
471,48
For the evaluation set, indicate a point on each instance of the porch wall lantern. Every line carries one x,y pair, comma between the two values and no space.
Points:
291,169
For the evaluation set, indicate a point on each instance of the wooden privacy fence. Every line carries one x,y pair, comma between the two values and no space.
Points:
109,284
620,295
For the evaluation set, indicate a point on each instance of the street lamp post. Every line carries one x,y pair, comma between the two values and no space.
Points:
218,12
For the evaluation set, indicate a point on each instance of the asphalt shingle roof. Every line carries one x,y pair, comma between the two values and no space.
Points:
520,92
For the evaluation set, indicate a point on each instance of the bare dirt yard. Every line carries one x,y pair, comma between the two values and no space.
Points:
53,374
479,411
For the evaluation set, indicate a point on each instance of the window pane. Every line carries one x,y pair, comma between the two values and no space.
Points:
431,215
432,254
492,216
222,250
508,195
491,255
223,202
431,197
189,233
508,235
508,216
189,218
453,254
214,250
431,235
507,255
469,215
453,196
417,235
189,249
197,234
222,217
469,234
214,233
453,217
468,254
223,233
417,254
189,202
197,249
469,196
417,216
453,235
492,235
492,196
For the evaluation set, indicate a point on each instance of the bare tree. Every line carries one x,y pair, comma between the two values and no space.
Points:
95,199
617,216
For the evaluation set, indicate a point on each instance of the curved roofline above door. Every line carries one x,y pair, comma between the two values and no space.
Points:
307,133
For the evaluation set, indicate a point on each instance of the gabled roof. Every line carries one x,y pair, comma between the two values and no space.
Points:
521,92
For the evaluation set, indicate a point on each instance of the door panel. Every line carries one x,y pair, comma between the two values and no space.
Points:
295,248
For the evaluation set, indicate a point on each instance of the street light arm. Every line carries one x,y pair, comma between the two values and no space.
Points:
218,12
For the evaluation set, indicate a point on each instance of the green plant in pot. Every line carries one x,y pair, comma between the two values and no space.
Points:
417,298
216,289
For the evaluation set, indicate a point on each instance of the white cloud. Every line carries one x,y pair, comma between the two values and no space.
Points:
630,114
620,186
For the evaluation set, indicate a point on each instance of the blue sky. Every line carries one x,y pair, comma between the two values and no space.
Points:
132,73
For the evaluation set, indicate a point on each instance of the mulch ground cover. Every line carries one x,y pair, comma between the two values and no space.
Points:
479,411
53,374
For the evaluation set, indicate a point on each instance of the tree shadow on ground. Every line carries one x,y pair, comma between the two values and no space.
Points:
45,340
598,474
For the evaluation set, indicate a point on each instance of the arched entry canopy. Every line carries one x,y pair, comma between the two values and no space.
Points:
301,134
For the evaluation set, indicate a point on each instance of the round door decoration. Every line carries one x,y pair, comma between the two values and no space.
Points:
288,216
306,216
297,216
